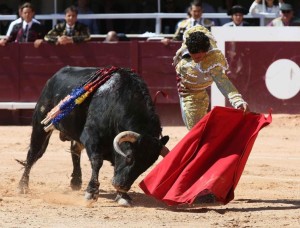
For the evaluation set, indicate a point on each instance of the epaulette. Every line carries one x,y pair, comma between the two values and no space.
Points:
207,23
213,58
183,23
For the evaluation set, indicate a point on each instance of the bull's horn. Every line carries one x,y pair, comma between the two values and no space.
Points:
125,136
164,151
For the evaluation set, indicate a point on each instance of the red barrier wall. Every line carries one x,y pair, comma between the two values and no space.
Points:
250,63
25,69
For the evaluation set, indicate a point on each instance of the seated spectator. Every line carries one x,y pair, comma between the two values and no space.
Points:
27,30
67,32
257,8
113,36
237,13
17,21
83,7
195,19
287,17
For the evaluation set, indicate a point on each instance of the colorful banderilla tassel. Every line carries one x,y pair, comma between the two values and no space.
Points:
77,96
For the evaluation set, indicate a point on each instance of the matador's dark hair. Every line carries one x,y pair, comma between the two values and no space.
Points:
197,42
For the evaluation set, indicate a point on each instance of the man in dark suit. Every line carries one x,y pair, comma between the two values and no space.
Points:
195,18
69,31
27,30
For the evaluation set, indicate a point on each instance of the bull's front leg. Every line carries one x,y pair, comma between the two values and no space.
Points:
92,191
89,138
76,180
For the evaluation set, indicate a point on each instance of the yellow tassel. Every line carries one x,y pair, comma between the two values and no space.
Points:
80,99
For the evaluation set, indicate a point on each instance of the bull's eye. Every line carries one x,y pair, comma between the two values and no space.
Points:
129,159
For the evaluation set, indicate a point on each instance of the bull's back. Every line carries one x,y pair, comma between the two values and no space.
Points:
63,82
58,87
124,103
123,100
70,77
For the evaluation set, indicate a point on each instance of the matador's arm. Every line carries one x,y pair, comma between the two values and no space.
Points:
227,88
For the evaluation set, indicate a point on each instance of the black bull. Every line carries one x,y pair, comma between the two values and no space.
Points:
117,122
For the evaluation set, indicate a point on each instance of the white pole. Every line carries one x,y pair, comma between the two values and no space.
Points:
54,21
264,6
158,20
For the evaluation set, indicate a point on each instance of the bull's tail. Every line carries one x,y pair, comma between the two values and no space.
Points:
160,92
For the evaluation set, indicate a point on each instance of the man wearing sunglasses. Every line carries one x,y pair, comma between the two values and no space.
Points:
287,17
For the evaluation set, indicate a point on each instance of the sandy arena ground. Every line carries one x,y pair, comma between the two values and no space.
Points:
268,194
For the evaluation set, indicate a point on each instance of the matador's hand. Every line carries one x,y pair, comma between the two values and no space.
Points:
244,107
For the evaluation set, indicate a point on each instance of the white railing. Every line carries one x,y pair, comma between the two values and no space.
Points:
157,16
17,105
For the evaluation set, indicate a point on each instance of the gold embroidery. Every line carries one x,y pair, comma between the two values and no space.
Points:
213,59
195,107
196,77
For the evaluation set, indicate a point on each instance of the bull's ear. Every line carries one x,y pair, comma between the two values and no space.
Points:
164,139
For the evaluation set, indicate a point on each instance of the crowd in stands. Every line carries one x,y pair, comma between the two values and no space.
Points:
27,29
72,30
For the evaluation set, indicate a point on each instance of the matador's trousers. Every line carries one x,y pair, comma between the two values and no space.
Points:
193,107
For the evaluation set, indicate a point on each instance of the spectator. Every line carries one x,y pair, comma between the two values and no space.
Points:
287,17
17,21
196,18
237,13
83,7
27,30
67,32
4,24
270,6
13,23
113,36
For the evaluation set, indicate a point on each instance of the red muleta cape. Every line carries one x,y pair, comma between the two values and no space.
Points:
209,159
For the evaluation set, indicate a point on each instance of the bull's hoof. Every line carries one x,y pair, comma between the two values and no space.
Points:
76,184
206,200
123,199
23,188
91,196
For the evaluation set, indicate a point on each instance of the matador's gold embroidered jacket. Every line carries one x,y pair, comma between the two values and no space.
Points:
194,78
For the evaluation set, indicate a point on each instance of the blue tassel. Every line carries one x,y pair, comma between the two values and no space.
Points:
68,105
